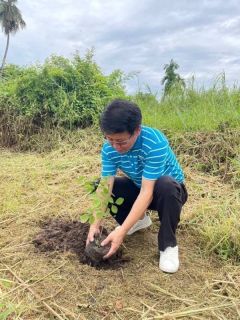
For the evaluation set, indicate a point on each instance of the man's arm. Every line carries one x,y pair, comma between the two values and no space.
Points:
94,228
140,206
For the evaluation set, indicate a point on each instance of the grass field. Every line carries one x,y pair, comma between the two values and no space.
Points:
37,187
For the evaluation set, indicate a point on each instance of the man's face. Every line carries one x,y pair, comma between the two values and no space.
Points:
124,141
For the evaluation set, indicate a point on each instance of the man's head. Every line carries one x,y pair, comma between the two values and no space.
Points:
121,124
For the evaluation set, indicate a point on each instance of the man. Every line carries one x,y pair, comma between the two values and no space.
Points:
154,180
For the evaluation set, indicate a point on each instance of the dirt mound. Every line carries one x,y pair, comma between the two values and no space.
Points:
60,235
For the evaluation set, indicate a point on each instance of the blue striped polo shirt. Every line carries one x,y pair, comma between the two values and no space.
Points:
151,157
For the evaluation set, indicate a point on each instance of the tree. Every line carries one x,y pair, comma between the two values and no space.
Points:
11,21
171,78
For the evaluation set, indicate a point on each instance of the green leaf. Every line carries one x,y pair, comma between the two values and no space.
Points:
91,219
84,218
89,188
5,314
100,215
110,200
87,184
6,283
105,203
96,203
94,195
102,183
119,201
97,210
80,179
114,209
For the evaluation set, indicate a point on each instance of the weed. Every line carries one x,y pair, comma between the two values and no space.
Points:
218,228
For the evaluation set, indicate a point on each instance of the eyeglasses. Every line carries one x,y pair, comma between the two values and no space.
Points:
121,143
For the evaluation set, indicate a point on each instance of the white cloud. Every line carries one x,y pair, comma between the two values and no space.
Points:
202,37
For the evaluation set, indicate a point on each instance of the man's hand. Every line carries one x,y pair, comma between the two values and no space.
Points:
92,231
116,238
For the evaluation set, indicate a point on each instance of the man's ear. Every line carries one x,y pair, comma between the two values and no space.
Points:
138,130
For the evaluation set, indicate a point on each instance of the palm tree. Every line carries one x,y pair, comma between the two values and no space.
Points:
171,78
11,21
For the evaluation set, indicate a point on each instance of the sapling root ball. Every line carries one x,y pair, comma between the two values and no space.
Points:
95,251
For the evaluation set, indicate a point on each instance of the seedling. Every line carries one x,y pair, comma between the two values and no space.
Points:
102,203
100,200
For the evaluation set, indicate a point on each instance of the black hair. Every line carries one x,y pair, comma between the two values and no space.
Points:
120,116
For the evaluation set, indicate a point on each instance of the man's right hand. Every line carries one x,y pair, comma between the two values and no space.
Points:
92,231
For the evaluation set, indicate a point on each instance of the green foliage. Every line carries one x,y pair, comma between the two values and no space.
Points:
5,314
11,21
6,310
42,101
60,92
193,108
10,17
220,231
172,80
100,200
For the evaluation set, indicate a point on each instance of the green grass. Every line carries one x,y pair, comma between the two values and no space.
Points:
217,222
216,108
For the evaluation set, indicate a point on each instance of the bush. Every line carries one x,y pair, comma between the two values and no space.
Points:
58,93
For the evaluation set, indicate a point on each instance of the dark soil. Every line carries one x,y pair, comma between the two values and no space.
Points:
94,251
63,236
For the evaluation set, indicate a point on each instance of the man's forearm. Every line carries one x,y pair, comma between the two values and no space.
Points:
138,209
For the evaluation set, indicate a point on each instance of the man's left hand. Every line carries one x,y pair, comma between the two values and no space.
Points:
116,238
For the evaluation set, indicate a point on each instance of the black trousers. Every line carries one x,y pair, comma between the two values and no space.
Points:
169,197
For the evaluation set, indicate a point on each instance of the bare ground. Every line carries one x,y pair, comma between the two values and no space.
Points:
58,285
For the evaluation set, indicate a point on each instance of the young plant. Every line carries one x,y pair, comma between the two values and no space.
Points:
100,200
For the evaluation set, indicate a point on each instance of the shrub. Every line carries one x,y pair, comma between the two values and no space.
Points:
58,93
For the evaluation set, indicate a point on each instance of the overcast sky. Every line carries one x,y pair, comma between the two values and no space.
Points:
203,37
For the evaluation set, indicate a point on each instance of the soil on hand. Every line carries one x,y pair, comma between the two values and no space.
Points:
60,235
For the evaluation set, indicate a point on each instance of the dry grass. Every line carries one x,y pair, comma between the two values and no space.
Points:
215,153
55,286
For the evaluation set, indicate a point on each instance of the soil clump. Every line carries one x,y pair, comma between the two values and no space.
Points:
70,236
94,251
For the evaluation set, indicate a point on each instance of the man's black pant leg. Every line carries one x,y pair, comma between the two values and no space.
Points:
168,200
125,188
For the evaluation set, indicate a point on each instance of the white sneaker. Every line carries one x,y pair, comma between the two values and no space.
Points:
169,261
140,224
